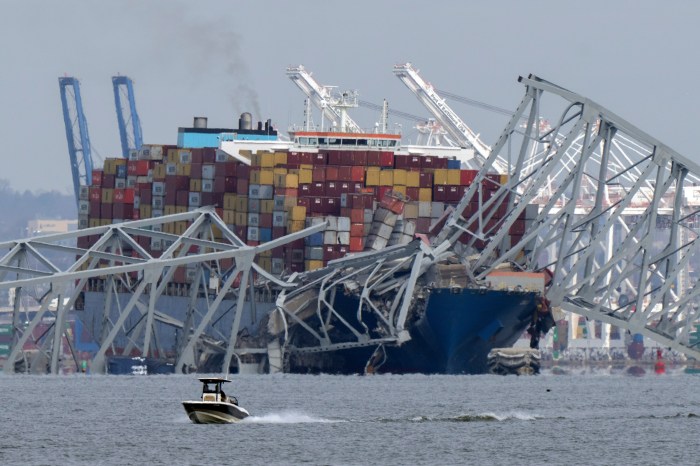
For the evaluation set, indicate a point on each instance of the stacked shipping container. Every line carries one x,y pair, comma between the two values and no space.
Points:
369,198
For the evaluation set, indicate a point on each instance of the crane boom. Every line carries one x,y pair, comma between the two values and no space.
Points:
439,108
76,134
333,108
127,117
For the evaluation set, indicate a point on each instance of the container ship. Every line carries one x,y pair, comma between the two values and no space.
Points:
373,193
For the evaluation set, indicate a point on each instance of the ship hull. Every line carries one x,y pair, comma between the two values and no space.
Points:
453,336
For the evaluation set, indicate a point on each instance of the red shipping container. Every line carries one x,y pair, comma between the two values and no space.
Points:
346,157
136,215
278,232
357,244
517,228
182,198
332,173
242,171
293,158
265,220
287,192
146,195
453,193
439,193
305,189
386,159
95,208
208,154
318,174
124,196
373,158
412,193
318,189
466,177
401,161
223,169
106,211
123,211
170,197
428,161
414,161
306,158
304,202
320,158
95,194
225,184
196,171
357,174
331,205
107,181
345,173
357,215
242,186
207,199
359,158
357,230
334,157
97,177
333,189
316,205
197,156
176,183
138,167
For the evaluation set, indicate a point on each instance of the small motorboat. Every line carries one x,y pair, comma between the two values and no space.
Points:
215,407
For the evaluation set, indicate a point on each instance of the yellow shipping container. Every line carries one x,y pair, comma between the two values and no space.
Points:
107,195
169,210
265,263
195,185
280,171
290,202
297,213
386,178
399,189
145,211
399,177
453,176
372,177
280,158
229,201
172,156
267,206
241,204
184,169
254,177
267,253
180,209
159,172
305,176
425,194
241,219
292,181
105,222
229,217
313,265
413,179
440,176
266,177
94,222
504,179
255,159
267,160
295,225
216,231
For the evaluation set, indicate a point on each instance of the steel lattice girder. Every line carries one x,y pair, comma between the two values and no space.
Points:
601,186
26,266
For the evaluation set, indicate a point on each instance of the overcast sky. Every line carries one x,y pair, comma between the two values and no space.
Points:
219,58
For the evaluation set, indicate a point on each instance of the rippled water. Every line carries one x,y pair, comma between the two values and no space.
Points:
547,419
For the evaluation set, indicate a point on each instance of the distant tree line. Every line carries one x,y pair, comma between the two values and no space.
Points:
18,208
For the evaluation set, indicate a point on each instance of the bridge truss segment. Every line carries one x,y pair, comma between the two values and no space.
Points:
53,273
596,201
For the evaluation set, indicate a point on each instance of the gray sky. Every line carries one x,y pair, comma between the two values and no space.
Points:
217,58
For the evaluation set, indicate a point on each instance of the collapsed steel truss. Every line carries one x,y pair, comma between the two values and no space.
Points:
46,269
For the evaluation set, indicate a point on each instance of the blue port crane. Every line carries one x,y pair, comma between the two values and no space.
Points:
127,117
76,134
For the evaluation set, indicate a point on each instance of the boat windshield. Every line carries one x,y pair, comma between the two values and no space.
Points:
209,388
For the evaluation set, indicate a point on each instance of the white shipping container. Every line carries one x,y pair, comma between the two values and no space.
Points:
254,191
195,199
424,209
330,237
279,219
83,207
158,188
120,183
156,213
313,221
185,157
314,253
137,202
157,202
84,193
344,223
375,242
344,238
409,228
277,266
133,154
207,186
381,229
253,220
332,223
266,191
254,205
170,169
208,172
437,209
221,156
253,234
83,221
344,200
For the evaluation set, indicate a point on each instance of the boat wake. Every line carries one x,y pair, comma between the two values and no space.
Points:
288,417
482,417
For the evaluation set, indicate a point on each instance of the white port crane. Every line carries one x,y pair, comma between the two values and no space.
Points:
450,121
333,107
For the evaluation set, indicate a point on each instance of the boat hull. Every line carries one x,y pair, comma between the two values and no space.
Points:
208,412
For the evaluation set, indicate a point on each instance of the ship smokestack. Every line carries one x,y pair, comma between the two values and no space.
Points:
200,122
245,121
